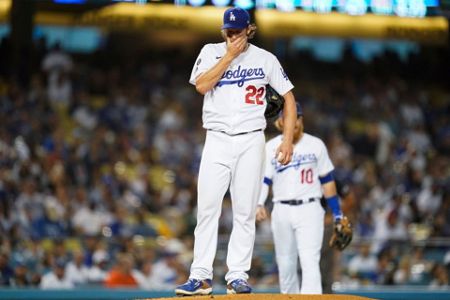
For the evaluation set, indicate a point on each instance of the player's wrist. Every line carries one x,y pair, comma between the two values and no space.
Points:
333,203
229,56
337,218
288,138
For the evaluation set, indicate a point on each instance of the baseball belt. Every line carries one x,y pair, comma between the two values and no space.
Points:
235,134
298,202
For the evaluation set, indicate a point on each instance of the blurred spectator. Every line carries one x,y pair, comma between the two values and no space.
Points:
419,139
121,273
419,266
83,112
6,272
29,205
49,225
170,271
76,271
59,89
143,226
91,245
57,278
429,199
20,278
385,268
58,65
402,274
364,264
146,278
98,272
57,61
89,219
447,259
439,276
411,111
388,228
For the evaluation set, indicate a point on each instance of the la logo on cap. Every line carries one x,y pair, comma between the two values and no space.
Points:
236,18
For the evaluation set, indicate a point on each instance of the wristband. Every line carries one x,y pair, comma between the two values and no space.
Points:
333,203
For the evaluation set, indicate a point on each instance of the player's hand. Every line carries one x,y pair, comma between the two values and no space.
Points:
342,234
284,153
261,213
237,46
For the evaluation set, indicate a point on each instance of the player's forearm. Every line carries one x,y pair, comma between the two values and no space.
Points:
208,80
329,189
290,117
330,194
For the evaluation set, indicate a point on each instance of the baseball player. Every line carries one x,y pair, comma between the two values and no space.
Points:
232,76
297,216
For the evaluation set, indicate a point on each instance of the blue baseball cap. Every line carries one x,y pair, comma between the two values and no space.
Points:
299,111
235,18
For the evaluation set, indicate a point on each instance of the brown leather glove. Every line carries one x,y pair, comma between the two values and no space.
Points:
342,235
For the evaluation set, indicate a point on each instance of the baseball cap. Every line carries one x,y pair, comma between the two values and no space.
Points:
299,111
236,18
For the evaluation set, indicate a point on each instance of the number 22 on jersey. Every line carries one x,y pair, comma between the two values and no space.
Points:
254,95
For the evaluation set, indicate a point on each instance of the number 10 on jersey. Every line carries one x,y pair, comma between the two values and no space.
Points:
306,176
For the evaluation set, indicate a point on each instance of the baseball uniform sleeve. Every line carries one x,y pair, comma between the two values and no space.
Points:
324,163
278,78
203,63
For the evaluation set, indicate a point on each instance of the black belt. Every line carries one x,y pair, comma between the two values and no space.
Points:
298,202
240,133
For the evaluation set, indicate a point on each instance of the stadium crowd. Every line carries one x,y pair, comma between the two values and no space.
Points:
99,156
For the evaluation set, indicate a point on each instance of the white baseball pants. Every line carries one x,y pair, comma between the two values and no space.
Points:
298,232
234,162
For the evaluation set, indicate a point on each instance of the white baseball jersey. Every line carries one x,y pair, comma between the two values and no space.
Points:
236,104
300,178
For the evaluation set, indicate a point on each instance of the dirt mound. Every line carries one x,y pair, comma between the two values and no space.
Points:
269,297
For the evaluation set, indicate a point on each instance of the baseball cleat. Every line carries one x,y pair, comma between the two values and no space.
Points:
238,286
194,287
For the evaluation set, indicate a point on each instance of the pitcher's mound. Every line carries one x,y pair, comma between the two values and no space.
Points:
269,297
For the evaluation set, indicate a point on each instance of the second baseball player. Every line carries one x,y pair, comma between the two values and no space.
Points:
297,216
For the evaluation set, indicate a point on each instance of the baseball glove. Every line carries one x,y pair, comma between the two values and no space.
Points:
275,103
342,235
